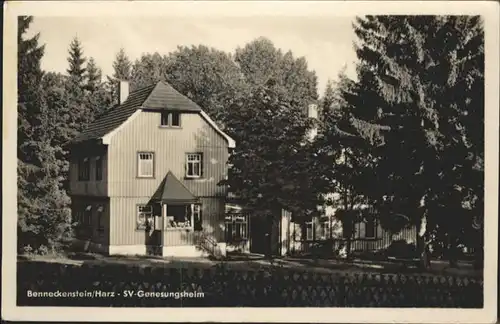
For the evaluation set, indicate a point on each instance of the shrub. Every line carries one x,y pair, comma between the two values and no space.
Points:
402,249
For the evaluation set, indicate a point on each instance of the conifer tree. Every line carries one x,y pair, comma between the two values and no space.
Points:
43,214
411,69
349,159
76,62
122,69
122,66
76,87
97,97
29,77
93,76
327,101
29,94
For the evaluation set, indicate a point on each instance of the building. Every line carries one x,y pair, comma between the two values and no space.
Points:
145,177
289,236
368,234
297,235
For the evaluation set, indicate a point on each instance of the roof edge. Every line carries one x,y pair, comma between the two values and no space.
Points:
106,139
231,142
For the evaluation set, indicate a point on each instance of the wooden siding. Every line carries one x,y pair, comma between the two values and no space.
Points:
96,235
124,214
92,187
358,244
170,146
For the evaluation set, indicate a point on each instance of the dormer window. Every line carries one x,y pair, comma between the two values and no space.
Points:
170,119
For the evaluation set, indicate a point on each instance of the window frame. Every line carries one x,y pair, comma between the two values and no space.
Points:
84,169
98,168
239,228
188,210
138,226
169,114
372,221
138,162
199,161
311,230
325,230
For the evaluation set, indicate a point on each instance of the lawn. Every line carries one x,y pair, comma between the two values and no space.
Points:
257,262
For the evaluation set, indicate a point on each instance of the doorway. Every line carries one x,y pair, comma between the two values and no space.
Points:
260,235
154,233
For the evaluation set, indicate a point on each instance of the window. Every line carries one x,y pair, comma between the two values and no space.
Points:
98,168
170,119
309,231
179,216
84,169
194,165
100,217
176,119
144,216
236,227
145,165
370,228
324,232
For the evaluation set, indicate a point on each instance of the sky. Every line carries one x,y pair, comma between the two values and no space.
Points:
325,42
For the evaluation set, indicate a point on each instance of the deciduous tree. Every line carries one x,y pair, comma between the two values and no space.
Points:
260,61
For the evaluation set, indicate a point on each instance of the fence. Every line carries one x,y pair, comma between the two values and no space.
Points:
380,242
111,285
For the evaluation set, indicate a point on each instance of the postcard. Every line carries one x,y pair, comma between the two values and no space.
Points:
290,161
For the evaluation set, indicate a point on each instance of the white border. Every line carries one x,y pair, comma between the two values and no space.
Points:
488,9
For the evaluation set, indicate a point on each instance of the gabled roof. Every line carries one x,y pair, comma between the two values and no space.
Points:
115,116
171,190
155,97
164,96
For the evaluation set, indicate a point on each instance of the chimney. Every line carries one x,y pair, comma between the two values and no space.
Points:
312,112
123,91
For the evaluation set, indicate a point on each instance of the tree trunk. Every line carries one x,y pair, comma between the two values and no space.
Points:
422,247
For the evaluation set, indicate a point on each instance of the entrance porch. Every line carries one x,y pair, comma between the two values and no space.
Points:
174,224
